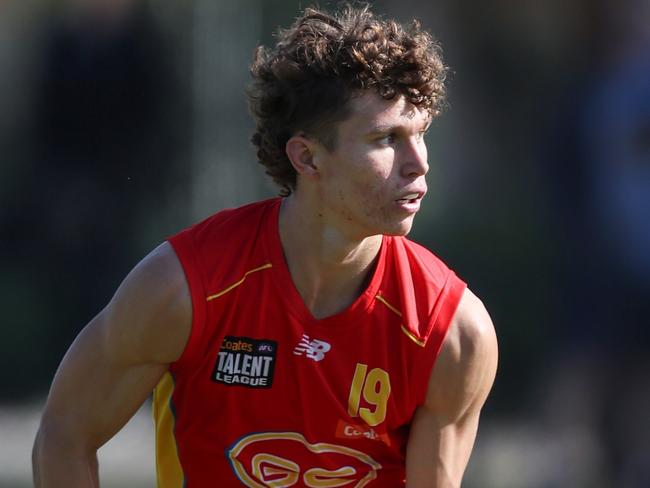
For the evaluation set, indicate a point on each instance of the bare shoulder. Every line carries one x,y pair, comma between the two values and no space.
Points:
116,360
471,332
149,317
444,427
465,369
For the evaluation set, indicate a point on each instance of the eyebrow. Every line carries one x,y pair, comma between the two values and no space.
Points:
382,129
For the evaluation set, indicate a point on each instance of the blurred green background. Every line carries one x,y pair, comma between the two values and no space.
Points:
123,121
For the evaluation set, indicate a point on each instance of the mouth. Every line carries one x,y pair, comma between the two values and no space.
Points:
410,202
410,198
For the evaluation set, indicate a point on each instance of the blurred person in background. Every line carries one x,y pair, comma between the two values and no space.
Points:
614,136
294,340
98,139
601,186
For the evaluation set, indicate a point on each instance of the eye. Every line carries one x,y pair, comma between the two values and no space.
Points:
387,139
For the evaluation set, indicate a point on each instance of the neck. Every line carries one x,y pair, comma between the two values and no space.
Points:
329,268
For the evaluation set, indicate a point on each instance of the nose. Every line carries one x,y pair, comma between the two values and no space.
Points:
415,158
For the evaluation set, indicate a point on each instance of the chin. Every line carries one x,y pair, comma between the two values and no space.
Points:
399,233
400,229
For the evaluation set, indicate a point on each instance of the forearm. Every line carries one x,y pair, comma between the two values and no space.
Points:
436,456
434,470
58,462
429,467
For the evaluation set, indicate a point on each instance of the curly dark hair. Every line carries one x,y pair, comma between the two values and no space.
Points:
305,82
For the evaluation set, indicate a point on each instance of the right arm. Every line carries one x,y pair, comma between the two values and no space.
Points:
111,368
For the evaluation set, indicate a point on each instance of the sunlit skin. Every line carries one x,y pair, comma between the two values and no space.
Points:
371,183
380,156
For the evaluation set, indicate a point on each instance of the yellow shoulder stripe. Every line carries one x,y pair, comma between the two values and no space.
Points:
413,337
383,300
407,332
236,284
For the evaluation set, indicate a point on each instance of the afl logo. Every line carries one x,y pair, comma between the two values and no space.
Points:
284,459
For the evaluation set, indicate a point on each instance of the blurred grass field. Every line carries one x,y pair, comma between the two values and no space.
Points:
125,461
510,454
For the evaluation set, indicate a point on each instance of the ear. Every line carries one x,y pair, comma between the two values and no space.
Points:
301,153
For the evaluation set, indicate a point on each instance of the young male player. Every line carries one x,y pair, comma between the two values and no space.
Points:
299,341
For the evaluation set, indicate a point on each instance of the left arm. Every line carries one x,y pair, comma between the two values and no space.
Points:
444,428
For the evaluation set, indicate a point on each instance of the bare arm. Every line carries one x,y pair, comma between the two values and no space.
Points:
444,428
111,368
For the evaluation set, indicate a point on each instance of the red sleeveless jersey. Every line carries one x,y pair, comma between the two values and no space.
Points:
265,395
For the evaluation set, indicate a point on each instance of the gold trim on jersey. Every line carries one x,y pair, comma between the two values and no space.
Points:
413,337
408,333
383,300
168,466
263,464
236,284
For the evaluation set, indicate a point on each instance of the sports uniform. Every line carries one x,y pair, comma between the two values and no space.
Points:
264,394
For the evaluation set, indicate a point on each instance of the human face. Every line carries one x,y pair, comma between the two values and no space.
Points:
373,181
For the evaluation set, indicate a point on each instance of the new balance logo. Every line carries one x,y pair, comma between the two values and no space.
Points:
313,349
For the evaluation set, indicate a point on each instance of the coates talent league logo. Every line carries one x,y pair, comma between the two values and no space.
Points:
243,361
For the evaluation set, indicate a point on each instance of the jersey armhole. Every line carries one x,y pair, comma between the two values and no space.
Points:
182,245
441,318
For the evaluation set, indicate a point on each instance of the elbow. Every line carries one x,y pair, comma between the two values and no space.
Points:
58,454
42,444
47,442
45,450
